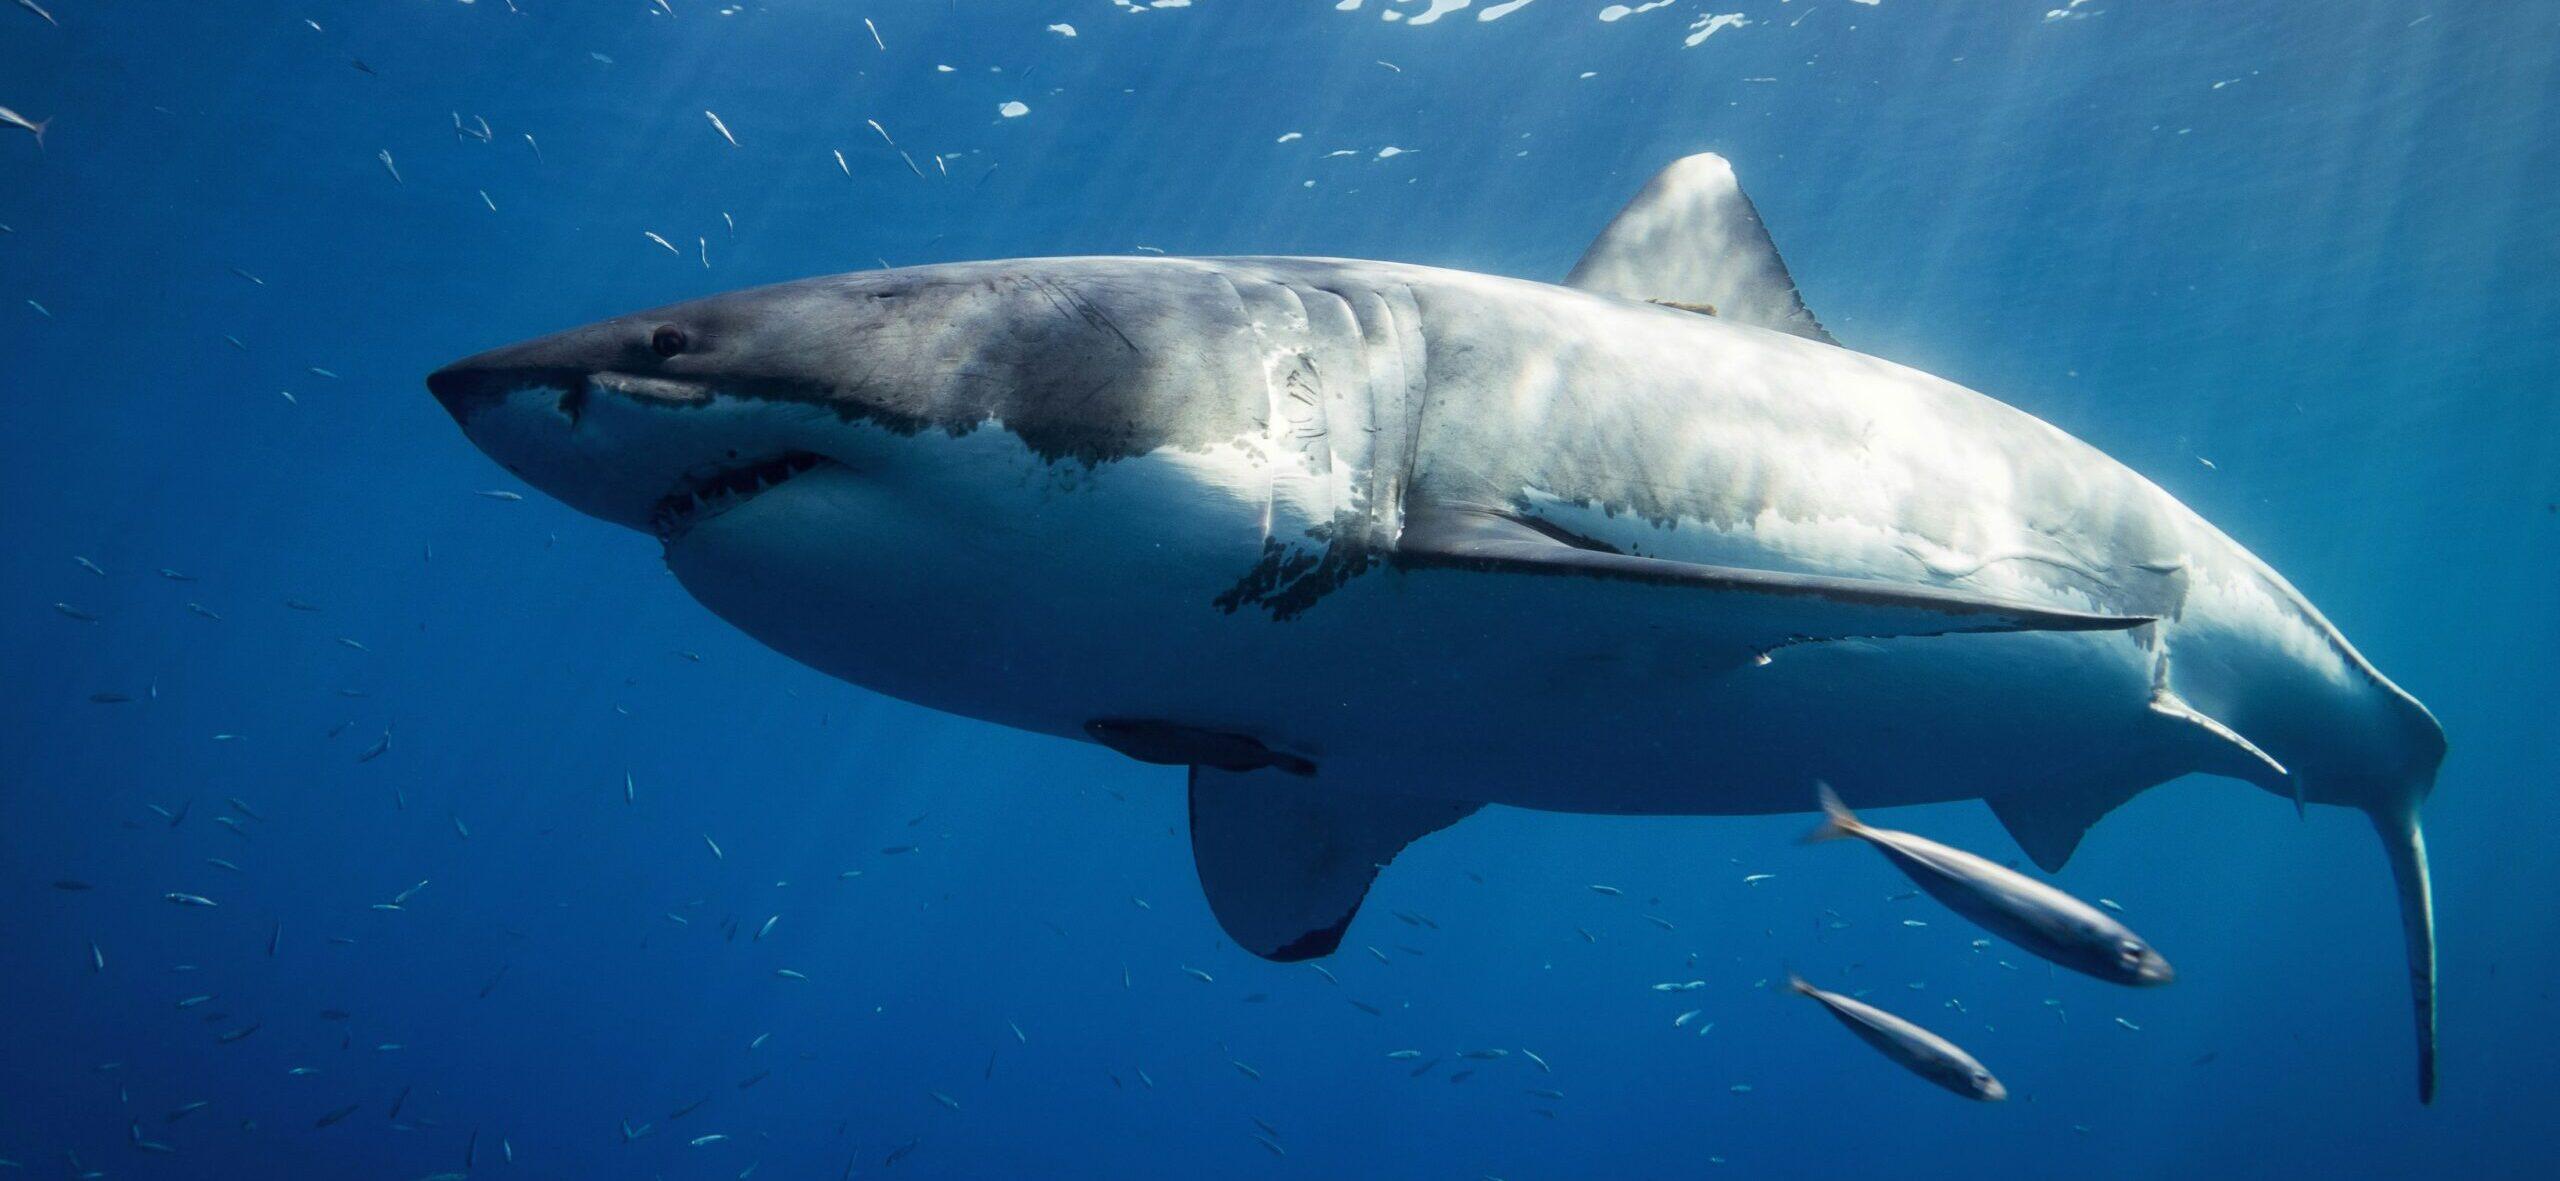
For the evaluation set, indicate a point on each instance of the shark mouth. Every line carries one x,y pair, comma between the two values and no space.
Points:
700,497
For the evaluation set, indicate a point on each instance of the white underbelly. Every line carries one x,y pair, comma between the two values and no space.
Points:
1096,596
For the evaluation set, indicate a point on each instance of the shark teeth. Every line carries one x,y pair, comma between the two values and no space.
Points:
699,497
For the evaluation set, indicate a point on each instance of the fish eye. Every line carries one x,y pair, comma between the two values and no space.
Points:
667,341
2130,950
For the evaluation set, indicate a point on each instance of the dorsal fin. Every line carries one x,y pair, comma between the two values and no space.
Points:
1692,237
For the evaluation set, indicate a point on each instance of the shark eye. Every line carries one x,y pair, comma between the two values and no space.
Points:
667,341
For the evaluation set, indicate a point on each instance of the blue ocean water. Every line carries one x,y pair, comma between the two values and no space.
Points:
2294,261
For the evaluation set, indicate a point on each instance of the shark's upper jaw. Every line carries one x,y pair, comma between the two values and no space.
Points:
653,453
718,488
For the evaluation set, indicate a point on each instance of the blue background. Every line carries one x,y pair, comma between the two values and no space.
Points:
2334,277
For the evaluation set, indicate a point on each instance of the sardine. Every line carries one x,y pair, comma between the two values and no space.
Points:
2007,903
1914,1049
35,127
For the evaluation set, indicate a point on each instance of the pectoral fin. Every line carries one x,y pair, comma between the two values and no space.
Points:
1286,861
1743,612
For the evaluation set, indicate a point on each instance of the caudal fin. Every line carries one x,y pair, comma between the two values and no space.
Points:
2405,842
1798,984
1837,821
38,127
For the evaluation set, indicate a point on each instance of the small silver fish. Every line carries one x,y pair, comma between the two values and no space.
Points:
32,6
387,166
35,127
2007,903
1914,1049
722,128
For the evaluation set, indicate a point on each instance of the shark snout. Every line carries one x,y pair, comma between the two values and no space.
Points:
473,384
627,439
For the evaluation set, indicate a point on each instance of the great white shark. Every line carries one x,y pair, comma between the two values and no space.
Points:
1368,546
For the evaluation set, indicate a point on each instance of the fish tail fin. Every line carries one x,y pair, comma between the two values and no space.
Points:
1798,984
38,127
1837,821
2404,840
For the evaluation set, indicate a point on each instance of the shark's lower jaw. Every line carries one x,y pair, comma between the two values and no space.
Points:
700,496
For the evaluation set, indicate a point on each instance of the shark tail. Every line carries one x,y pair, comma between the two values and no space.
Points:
1838,822
2404,840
